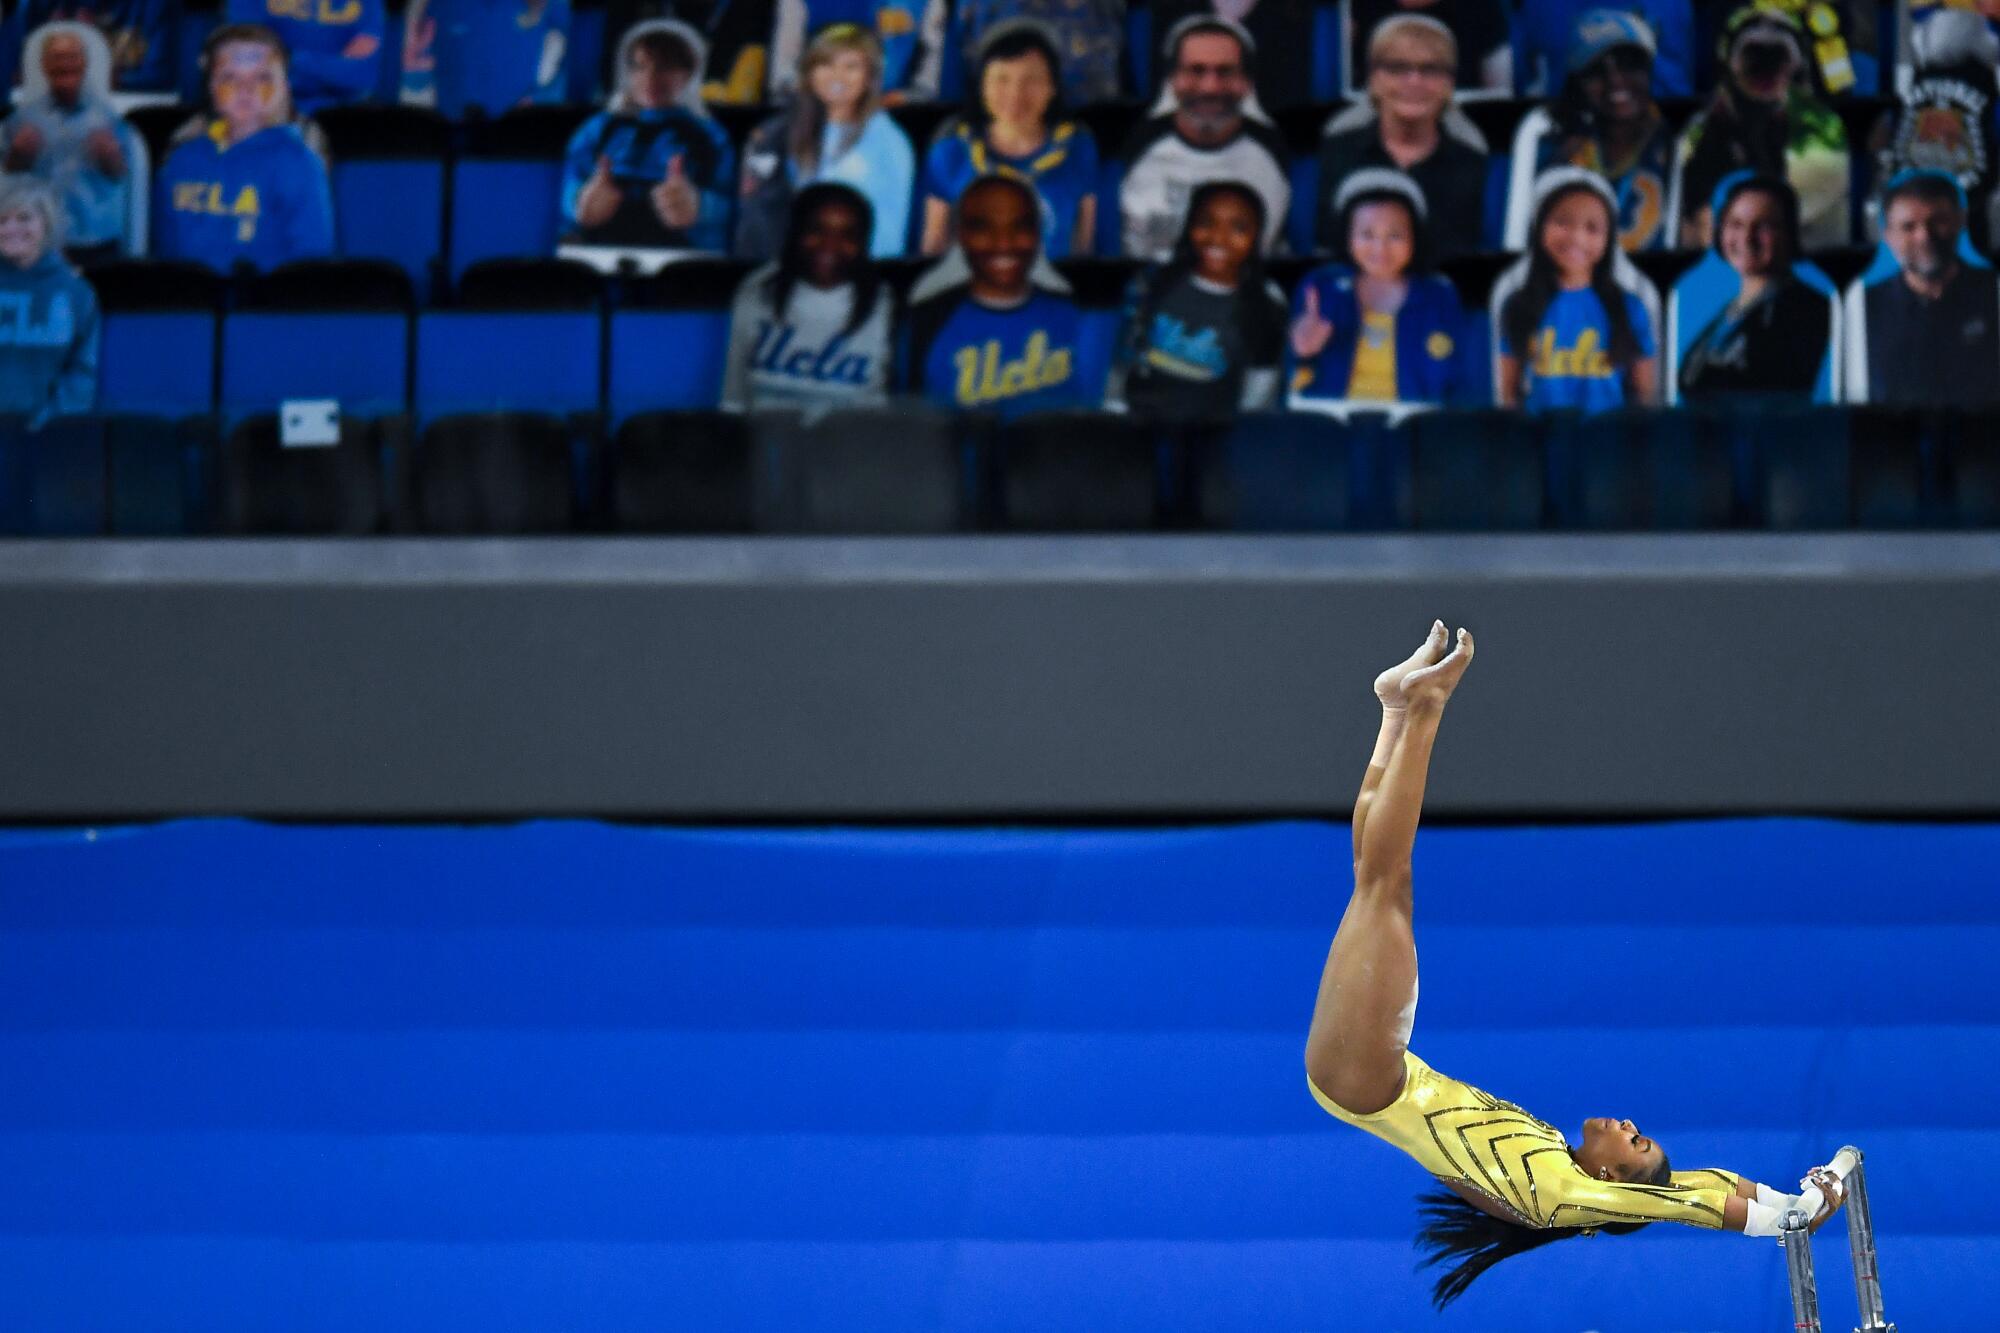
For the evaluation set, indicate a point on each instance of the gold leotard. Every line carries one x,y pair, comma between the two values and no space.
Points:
1467,1137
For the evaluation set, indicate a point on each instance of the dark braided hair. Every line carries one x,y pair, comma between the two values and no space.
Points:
1523,312
1260,321
1452,1229
791,258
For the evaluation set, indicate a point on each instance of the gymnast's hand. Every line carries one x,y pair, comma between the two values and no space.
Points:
1833,1193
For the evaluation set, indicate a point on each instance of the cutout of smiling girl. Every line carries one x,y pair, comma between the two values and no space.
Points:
1205,331
812,328
1378,325
1574,319
992,325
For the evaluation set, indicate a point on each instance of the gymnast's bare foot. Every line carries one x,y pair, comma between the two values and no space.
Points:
1389,685
1430,686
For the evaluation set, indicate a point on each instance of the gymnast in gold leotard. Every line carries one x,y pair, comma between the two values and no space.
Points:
1514,1182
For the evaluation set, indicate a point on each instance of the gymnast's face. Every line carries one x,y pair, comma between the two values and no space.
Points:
1616,1150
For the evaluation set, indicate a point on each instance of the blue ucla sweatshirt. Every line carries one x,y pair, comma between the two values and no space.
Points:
318,35
264,201
48,339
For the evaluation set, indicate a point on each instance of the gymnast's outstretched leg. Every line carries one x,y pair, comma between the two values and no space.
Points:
1368,992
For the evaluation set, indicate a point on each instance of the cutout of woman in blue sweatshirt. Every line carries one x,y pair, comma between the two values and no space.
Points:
652,169
48,314
1379,325
992,325
243,187
335,46
490,54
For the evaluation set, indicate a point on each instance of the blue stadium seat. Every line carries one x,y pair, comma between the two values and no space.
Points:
1638,469
1274,472
159,475
1477,471
506,185
323,329
1100,287
526,337
389,184
52,479
158,351
670,336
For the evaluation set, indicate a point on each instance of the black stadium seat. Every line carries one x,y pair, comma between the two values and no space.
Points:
863,470
264,487
1076,472
530,284
328,284
1476,471
1969,459
682,472
492,472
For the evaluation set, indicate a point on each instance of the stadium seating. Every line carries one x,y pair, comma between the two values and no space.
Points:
863,470
1077,471
389,185
265,488
682,472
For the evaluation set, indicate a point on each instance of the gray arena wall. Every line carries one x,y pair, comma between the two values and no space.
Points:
990,678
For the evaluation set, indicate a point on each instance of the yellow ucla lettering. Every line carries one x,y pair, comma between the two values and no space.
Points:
1585,361
299,10
206,197
339,15
982,377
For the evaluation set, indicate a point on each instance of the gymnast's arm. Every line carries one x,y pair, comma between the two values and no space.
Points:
1738,1210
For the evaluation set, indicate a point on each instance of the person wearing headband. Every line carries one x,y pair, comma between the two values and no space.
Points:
1207,125
1765,117
1014,123
244,184
910,33
1378,325
66,132
653,168
486,54
1205,331
1409,123
1924,321
1574,321
1605,120
835,128
1479,30
1089,38
335,49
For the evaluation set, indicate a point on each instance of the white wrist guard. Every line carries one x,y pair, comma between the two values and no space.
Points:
1777,1199
1762,1219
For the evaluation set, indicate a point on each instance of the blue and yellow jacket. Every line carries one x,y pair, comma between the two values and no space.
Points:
264,201
1430,361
